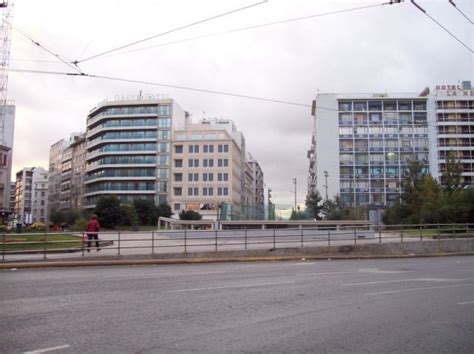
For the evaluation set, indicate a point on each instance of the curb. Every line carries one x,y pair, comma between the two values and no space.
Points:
157,261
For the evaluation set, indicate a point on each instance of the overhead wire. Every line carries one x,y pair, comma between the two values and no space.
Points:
443,27
235,30
46,49
168,32
460,11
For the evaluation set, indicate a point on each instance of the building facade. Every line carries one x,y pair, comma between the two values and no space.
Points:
206,171
452,127
362,145
7,125
31,195
128,145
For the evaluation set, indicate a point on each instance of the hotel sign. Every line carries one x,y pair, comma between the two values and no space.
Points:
454,90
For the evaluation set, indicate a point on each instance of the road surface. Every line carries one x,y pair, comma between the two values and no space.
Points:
381,306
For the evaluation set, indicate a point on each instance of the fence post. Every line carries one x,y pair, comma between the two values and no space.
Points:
185,241
245,238
45,240
216,239
355,236
401,234
118,244
454,232
329,237
274,238
439,233
3,248
302,237
380,233
153,242
421,233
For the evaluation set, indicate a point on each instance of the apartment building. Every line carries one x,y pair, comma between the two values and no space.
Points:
452,129
128,143
362,144
66,173
206,171
31,195
7,124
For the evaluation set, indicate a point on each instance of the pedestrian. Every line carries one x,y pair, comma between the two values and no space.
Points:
92,231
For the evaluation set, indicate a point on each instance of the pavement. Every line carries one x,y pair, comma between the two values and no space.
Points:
381,306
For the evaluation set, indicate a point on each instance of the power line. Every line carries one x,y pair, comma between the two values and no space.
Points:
255,27
56,55
169,31
215,92
440,25
462,13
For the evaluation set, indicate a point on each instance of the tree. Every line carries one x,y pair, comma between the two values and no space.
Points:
146,210
452,174
164,210
189,215
313,208
108,211
128,215
56,216
298,215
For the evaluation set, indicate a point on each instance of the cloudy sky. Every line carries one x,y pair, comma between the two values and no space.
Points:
391,48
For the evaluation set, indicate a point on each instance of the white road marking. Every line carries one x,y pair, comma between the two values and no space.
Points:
466,303
435,280
379,271
230,287
416,289
327,273
45,350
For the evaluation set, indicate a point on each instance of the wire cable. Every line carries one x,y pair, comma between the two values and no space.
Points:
440,25
462,13
56,55
169,31
253,27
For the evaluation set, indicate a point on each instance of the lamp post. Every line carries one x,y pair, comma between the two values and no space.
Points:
294,182
326,175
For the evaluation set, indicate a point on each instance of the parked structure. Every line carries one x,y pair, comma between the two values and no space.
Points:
31,195
128,149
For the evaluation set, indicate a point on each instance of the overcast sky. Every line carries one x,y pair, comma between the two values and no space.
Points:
384,49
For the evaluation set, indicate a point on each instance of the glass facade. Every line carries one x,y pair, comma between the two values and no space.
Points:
128,151
377,139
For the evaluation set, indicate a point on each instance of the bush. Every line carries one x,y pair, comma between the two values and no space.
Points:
109,212
128,215
190,215
38,226
80,224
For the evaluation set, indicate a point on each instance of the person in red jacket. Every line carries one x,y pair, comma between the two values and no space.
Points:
92,231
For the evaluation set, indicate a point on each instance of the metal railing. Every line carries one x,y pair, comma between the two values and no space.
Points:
44,245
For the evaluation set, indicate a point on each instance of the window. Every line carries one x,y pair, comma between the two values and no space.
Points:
345,118
375,105
178,149
406,131
178,163
419,105
164,147
345,106
208,149
222,162
177,206
360,106
404,105
405,118
226,148
389,105
193,163
375,118
222,177
178,177
376,157
193,149
178,191
164,110
208,177
193,191
208,191
208,163
193,177
222,191
345,131
164,122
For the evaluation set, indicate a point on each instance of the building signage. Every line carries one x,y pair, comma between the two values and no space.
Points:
145,96
454,90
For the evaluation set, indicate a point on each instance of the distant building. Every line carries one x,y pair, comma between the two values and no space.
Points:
452,128
66,173
7,125
363,143
31,195
128,149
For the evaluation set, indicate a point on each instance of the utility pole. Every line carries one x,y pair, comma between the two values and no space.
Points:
294,182
326,175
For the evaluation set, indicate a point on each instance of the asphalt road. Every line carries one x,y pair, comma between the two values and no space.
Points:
420,305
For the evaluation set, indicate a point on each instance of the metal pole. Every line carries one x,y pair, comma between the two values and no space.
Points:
439,233
302,236
45,240
401,234
216,239
118,244
355,236
329,237
153,242
421,233
245,238
83,235
294,182
380,233
185,241
274,238
3,248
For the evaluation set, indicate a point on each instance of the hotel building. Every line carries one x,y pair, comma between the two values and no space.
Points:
128,144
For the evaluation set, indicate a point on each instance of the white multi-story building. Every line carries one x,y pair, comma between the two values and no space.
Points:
31,195
362,144
7,125
128,149
452,128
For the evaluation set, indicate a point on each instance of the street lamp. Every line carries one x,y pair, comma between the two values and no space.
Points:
326,175
294,182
